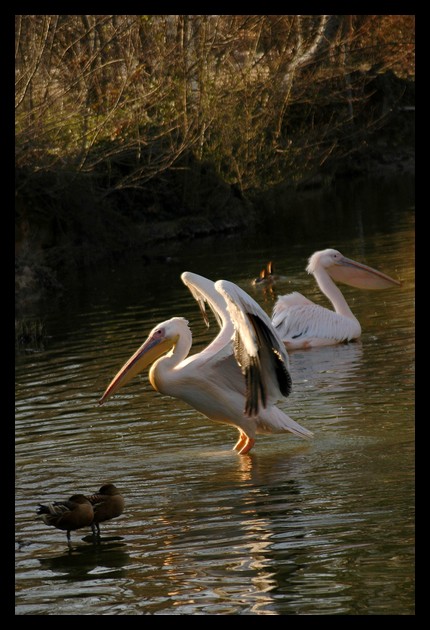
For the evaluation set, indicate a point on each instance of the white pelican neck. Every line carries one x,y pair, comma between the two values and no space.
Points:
332,292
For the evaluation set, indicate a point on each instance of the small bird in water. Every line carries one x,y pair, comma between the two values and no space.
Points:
266,276
267,280
68,515
107,503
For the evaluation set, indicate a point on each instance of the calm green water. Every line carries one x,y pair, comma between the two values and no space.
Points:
322,527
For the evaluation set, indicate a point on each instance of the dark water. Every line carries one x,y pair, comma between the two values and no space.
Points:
321,527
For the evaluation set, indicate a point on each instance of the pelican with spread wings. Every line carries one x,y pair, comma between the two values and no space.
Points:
237,379
302,324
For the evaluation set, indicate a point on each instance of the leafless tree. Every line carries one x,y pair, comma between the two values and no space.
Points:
260,97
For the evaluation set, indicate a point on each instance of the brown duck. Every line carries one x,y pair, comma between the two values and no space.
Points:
268,276
107,503
68,515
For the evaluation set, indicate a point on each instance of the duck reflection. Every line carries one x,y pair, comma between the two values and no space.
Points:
103,561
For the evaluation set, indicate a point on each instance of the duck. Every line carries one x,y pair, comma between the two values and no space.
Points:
68,515
267,276
107,503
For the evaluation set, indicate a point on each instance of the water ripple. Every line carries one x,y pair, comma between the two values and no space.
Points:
319,527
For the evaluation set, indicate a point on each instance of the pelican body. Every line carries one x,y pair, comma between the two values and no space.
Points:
303,324
237,379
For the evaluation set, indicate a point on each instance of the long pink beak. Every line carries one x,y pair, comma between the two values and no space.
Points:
361,276
148,352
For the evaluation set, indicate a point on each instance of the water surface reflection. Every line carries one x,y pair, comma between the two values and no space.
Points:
319,527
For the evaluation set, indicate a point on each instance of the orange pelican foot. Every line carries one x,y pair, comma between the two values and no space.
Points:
249,443
241,441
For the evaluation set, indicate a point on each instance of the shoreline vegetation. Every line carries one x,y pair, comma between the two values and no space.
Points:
131,130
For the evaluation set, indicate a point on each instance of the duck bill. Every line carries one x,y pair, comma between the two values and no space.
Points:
361,276
148,352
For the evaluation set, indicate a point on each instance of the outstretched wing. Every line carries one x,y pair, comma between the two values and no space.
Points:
258,349
204,292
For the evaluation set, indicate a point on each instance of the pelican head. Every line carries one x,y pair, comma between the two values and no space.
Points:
348,271
160,340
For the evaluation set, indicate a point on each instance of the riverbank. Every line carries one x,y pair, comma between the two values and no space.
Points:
67,225
137,130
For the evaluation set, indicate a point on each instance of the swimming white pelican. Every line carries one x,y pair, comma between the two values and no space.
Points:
235,380
302,324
